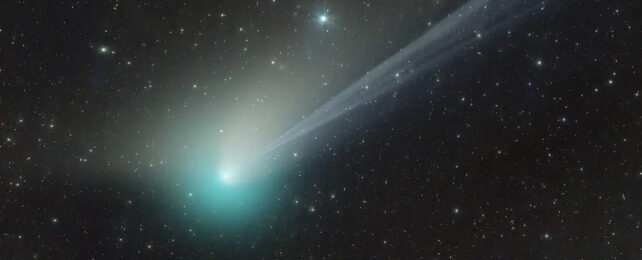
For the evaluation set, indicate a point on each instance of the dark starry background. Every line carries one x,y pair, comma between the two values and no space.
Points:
527,145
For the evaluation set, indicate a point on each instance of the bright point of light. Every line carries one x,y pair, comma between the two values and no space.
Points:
227,177
323,18
103,49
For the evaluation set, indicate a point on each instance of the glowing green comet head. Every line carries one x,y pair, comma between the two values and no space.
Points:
227,176
225,198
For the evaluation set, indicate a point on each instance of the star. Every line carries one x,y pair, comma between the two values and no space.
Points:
323,18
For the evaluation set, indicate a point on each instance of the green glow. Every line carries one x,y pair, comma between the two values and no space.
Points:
213,185
215,196
229,177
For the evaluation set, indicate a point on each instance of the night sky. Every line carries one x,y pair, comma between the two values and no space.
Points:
140,129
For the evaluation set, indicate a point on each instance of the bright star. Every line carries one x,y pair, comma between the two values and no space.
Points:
323,18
